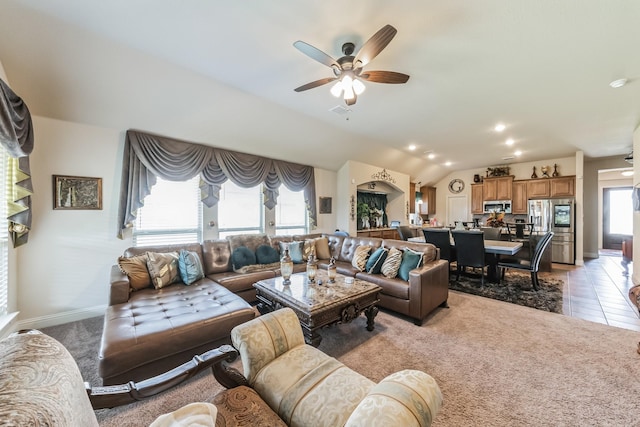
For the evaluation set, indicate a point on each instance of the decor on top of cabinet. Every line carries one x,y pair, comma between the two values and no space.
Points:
363,215
534,175
555,170
376,214
545,171
498,171
476,178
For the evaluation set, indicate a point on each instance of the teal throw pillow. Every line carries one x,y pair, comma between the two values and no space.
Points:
410,260
189,266
295,250
266,254
241,257
375,261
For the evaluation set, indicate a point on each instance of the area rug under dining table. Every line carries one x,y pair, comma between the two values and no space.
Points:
516,288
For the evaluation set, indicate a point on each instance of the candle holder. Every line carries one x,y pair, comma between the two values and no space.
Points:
286,266
312,268
331,270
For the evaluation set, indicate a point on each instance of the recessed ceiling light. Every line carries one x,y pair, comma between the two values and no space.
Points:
627,173
431,156
447,164
412,147
509,141
618,83
499,127
517,153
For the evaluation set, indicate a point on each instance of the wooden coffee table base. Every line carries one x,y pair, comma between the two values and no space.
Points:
311,322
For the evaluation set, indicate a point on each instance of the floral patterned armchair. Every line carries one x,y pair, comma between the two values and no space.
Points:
305,387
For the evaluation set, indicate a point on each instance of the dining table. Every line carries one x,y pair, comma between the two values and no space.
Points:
495,248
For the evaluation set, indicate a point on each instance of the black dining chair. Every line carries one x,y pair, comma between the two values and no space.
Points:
404,231
531,265
441,238
491,233
469,251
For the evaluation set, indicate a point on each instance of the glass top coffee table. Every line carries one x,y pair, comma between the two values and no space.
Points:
321,303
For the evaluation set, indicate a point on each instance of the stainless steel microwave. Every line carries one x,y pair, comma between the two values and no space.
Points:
497,206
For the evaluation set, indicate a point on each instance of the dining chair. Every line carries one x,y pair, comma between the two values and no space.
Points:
441,238
531,265
404,231
469,251
491,233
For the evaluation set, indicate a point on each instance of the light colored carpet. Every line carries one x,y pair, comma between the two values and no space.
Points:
498,364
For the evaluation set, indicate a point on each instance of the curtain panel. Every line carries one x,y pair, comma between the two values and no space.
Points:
16,137
147,156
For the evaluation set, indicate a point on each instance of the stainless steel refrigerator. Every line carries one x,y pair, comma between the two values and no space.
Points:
557,215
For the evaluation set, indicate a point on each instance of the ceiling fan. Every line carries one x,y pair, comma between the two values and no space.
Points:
348,70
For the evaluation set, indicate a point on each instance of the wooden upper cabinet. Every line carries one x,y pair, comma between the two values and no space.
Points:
563,186
428,206
519,203
538,188
412,197
477,198
497,188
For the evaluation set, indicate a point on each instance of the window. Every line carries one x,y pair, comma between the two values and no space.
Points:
291,212
4,233
172,213
240,210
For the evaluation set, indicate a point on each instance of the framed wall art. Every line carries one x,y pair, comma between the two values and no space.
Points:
325,205
77,192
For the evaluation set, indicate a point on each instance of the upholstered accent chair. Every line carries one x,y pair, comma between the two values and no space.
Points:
306,387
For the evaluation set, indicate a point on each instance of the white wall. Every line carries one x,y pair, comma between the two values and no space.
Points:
63,272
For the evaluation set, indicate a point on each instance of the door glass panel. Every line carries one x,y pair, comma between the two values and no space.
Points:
620,212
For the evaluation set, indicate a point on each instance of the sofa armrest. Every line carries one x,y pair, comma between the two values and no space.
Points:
406,398
265,338
119,286
428,287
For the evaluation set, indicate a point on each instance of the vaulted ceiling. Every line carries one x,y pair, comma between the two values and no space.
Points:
223,73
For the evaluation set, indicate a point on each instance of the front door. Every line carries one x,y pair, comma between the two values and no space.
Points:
457,209
617,216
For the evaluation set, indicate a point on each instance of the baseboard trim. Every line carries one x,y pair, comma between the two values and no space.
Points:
60,318
591,255
8,324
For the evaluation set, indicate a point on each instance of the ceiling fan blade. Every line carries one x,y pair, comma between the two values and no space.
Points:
384,77
315,84
374,46
315,53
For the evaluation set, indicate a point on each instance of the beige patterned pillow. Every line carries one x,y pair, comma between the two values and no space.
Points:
136,270
308,248
392,263
360,257
322,248
163,268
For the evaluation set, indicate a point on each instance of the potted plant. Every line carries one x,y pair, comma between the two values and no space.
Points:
363,215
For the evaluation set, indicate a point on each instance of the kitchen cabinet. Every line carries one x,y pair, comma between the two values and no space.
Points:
477,198
519,204
562,186
538,188
497,188
381,233
412,197
428,206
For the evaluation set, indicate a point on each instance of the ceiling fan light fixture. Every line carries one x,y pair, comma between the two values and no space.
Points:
336,89
358,87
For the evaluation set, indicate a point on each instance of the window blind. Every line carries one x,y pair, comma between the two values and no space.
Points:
4,234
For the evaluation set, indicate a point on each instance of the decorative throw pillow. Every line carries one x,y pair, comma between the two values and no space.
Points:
136,270
322,248
242,256
391,264
374,263
266,254
360,257
163,268
309,248
190,267
295,250
410,260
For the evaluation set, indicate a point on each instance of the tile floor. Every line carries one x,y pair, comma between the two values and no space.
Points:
598,291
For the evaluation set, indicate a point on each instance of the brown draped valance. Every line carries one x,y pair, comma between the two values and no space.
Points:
148,156
16,136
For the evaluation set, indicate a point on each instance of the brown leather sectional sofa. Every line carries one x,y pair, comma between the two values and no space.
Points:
149,331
